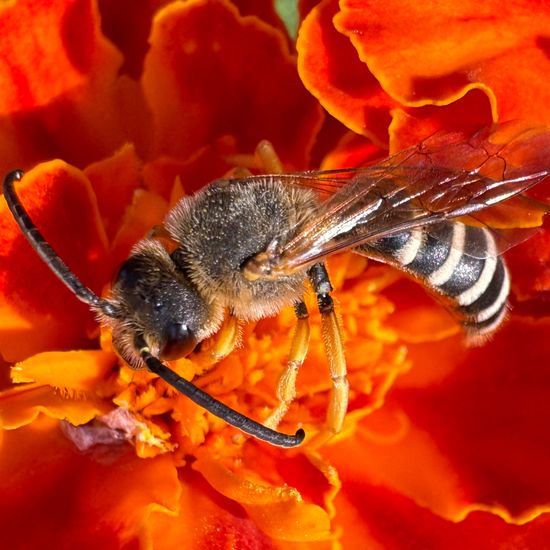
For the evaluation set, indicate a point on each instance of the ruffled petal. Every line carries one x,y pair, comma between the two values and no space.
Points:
32,300
436,57
72,371
114,180
209,520
280,512
225,76
96,500
384,519
329,68
471,438
64,97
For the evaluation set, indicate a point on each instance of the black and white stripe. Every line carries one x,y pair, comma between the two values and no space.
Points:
460,263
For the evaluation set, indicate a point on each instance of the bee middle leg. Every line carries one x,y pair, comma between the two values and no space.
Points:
334,349
286,387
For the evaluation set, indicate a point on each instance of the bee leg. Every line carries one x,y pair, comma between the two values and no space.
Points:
334,348
286,387
226,339
222,344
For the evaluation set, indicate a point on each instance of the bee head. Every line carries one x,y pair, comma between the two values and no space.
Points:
161,305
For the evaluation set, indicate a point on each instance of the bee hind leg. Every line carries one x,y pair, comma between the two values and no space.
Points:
334,349
286,387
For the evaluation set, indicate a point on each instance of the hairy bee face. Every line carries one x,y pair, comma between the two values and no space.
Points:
160,305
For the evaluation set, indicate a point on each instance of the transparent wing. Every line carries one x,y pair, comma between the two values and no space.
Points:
444,177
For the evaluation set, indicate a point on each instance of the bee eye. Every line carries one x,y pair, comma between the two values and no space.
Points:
178,341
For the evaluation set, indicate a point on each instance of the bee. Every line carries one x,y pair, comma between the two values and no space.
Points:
246,247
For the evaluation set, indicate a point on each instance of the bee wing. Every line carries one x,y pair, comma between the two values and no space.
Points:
442,178
398,202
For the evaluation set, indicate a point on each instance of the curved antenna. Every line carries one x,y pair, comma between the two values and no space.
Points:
47,253
201,398
217,408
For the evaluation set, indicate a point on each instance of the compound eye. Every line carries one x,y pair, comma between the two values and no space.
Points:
179,341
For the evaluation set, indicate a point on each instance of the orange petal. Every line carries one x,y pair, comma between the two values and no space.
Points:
530,266
278,511
75,371
352,150
264,10
22,405
477,440
114,181
418,317
330,70
459,47
207,520
127,23
205,165
229,75
467,114
64,37
65,98
146,210
110,495
37,311
385,520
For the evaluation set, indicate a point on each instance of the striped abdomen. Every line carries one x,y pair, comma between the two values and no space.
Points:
459,263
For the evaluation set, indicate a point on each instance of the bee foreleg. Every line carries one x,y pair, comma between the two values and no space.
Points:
226,339
286,387
220,345
334,349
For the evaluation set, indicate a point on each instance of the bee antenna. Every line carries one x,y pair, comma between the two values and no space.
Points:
47,253
217,408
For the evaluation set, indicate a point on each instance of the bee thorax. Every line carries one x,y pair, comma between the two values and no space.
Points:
227,233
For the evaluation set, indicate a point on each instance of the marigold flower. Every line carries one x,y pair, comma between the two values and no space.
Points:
116,110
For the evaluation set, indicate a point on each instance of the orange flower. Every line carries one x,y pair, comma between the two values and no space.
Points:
144,103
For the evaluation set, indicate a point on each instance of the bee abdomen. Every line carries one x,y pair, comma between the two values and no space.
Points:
459,263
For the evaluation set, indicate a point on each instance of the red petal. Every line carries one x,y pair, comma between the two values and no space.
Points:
73,500
330,70
37,311
114,181
63,98
474,437
467,114
381,518
459,47
226,75
207,520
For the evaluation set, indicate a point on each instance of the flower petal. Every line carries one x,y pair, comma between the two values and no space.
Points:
64,97
70,370
22,405
211,72
330,70
386,520
460,46
207,520
32,300
278,511
76,500
477,440
114,181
